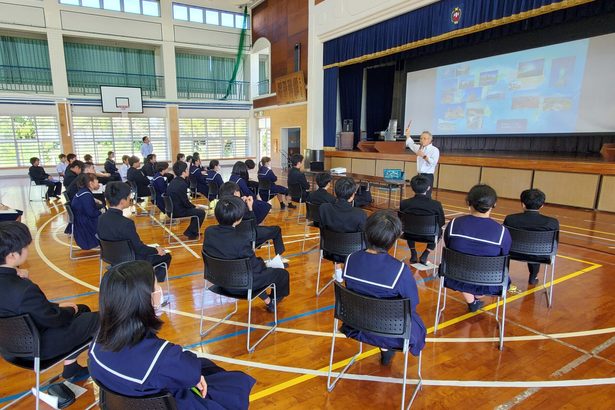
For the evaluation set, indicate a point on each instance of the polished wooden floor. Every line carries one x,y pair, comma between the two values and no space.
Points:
563,357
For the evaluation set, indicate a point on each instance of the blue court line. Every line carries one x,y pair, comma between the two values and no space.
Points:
200,272
73,296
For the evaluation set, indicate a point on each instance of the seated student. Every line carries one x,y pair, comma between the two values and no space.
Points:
322,195
123,171
88,168
530,219
224,242
182,207
296,177
70,158
265,173
373,272
40,177
197,175
180,157
477,234
342,216
263,233
103,177
61,167
62,327
81,181
239,175
422,205
114,226
130,359
188,160
252,175
213,173
160,184
149,168
110,167
86,212
136,176
72,171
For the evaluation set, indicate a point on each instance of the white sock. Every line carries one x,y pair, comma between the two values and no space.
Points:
338,275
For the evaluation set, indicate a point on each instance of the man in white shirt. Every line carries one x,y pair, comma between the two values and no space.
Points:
427,156
146,148
123,170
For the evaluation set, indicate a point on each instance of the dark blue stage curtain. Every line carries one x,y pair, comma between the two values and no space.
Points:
351,92
427,22
329,106
379,98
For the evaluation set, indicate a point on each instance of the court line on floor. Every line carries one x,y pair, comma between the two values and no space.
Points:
174,236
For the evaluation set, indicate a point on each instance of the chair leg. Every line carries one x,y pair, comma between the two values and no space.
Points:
305,232
71,251
204,333
172,242
275,317
438,310
502,322
435,258
550,291
37,370
331,385
319,290
395,249
100,272
419,384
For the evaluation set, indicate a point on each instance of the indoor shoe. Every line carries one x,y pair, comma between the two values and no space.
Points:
424,257
413,256
386,356
282,205
292,206
533,279
75,371
474,306
271,305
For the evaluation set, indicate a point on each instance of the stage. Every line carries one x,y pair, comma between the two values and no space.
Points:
572,180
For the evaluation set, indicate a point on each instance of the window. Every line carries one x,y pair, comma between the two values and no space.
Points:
98,135
264,137
145,7
24,137
212,17
196,15
227,19
208,16
180,12
214,138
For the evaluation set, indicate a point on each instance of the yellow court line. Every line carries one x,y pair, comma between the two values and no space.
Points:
297,380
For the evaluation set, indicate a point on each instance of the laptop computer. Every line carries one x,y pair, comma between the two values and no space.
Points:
394,176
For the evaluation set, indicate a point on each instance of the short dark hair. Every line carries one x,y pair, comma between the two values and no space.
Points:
110,153
14,237
161,166
295,159
62,156
229,210
70,157
323,179
179,167
189,158
116,191
126,311
419,184
144,138
150,157
195,157
533,198
228,189
125,157
345,187
133,160
83,180
87,158
33,160
382,230
180,156
240,169
76,163
213,163
250,164
482,198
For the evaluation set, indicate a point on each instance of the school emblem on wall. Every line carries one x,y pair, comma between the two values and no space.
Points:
456,15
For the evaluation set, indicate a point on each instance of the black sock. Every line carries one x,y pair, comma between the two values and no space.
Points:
70,370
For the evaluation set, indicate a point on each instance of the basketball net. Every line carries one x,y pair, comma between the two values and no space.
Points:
123,110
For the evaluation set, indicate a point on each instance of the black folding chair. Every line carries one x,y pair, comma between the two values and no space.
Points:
212,190
233,279
152,202
264,190
536,247
295,191
312,214
382,317
420,228
248,226
20,345
134,193
337,244
71,221
475,270
110,400
42,191
168,209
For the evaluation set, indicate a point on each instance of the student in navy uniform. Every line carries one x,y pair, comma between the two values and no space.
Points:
342,216
530,219
296,177
114,226
86,212
422,205
40,177
159,182
62,327
322,195
213,173
149,168
373,272
265,173
239,175
72,171
477,234
130,359
263,233
177,191
224,242
196,175
110,167
136,176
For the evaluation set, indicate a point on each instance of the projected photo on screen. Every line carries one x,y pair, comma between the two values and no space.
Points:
545,90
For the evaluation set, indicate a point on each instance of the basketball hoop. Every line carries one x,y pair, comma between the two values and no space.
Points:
123,110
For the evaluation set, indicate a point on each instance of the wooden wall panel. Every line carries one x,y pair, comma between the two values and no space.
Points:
607,194
341,163
410,168
364,166
566,188
286,117
383,164
508,183
458,177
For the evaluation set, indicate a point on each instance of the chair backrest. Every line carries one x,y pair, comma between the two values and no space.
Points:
341,243
192,183
168,204
66,196
70,213
295,191
213,190
233,274
249,227
152,193
312,212
419,225
382,317
19,337
133,188
534,243
477,270
264,184
116,252
110,400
